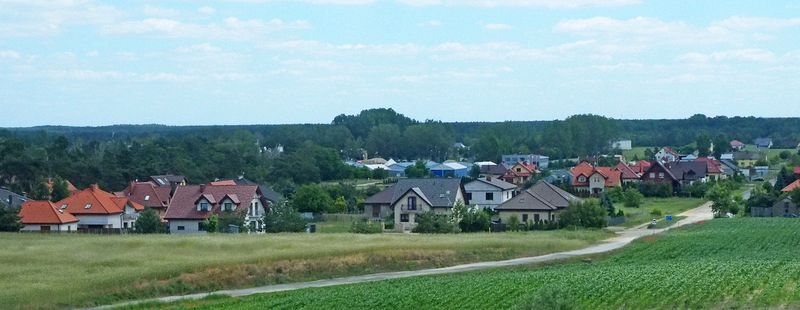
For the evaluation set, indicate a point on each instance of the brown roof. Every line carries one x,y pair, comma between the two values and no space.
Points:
44,212
148,194
92,200
627,172
553,194
184,201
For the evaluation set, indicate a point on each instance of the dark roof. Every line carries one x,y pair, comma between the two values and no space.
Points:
494,169
440,192
167,179
497,183
16,200
266,190
553,194
657,164
541,197
688,170
183,203
763,142
627,172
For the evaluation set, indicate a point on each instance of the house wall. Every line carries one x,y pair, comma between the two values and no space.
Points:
597,183
479,189
385,210
190,226
71,227
398,207
543,215
108,221
255,214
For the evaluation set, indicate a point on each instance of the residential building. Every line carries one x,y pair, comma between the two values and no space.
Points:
559,176
540,161
737,145
622,145
729,168
488,192
593,180
11,199
44,216
640,166
782,208
98,209
170,180
627,174
689,172
450,169
660,174
542,202
714,168
748,159
797,171
763,143
410,197
149,195
495,171
519,173
193,204
667,155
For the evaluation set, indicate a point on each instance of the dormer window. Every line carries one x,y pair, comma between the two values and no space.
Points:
581,179
227,207
63,207
88,206
147,198
203,206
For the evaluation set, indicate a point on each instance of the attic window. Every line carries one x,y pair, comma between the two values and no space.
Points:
160,181
147,198
581,179
64,206
88,206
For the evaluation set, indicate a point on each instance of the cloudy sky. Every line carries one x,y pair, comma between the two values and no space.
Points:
85,62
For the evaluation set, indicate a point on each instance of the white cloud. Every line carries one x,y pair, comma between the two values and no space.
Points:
155,11
740,23
22,18
749,55
555,4
431,23
207,10
497,26
229,28
9,54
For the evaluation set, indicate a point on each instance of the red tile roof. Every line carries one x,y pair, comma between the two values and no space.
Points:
44,212
627,172
148,194
611,175
89,201
791,187
641,166
184,201
714,166
737,143
797,170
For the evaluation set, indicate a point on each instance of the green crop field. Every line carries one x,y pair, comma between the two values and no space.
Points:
61,271
724,263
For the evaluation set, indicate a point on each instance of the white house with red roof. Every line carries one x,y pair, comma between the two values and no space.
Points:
98,209
737,145
193,204
45,216
667,155
594,180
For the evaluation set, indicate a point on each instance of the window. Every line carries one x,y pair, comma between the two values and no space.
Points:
125,225
404,218
203,206
376,211
581,179
489,196
525,218
88,206
228,206
519,169
652,175
44,228
200,226
181,228
412,203
660,175
469,196
536,217
147,198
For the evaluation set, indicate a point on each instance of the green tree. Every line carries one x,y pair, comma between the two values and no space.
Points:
283,218
513,223
589,214
418,170
794,195
339,206
475,172
9,220
228,219
721,199
311,198
41,192
149,222
608,204
60,189
703,143
211,224
432,223
632,198
383,140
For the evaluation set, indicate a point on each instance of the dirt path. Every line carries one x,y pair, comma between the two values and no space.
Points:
625,237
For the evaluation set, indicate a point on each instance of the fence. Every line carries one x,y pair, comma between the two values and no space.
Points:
614,221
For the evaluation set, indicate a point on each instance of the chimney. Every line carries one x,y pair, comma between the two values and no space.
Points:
202,188
95,187
488,178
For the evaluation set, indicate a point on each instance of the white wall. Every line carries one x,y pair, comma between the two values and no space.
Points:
108,221
189,226
479,189
71,227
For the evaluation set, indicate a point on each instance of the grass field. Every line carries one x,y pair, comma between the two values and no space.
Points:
720,264
59,271
668,206
635,152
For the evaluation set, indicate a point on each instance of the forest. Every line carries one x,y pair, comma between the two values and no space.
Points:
112,156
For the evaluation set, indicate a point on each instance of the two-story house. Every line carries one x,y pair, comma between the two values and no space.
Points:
193,204
97,209
409,197
520,172
488,192
593,180
667,155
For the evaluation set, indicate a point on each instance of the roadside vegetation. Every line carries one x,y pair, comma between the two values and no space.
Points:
723,263
61,271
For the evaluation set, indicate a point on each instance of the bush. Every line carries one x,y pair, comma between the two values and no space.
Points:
615,194
585,214
365,226
9,221
283,218
650,189
633,199
211,224
655,212
432,223
311,198
149,222
513,223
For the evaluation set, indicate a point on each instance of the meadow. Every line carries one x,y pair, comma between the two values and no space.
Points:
723,263
667,206
62,271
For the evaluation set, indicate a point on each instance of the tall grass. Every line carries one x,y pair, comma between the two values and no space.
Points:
55,271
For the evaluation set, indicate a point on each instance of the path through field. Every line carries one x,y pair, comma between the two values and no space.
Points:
624,237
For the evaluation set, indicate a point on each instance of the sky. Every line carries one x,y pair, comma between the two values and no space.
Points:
187,62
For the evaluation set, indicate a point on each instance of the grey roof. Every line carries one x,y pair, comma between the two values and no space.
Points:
167,179
497,183
11,199
542,197
747,156
729,167
763,142
440,192
494,169
689,170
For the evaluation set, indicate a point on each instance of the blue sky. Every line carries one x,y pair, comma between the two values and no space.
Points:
85,62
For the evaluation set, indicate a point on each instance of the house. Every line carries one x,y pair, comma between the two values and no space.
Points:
737,145
559,176
540,161
45,216
627,174
658,173
495,171
622,145
193,204
729,168
269,194
594,180
519,173
149,195
409,197
792,186
450,169
689,172
763,143
11,199
170,180
398,170
488,192
640,166
98,209
542,202
667,155
784,207
726,156
747,159
714,168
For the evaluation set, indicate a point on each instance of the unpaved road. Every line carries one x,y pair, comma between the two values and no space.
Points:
625,237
